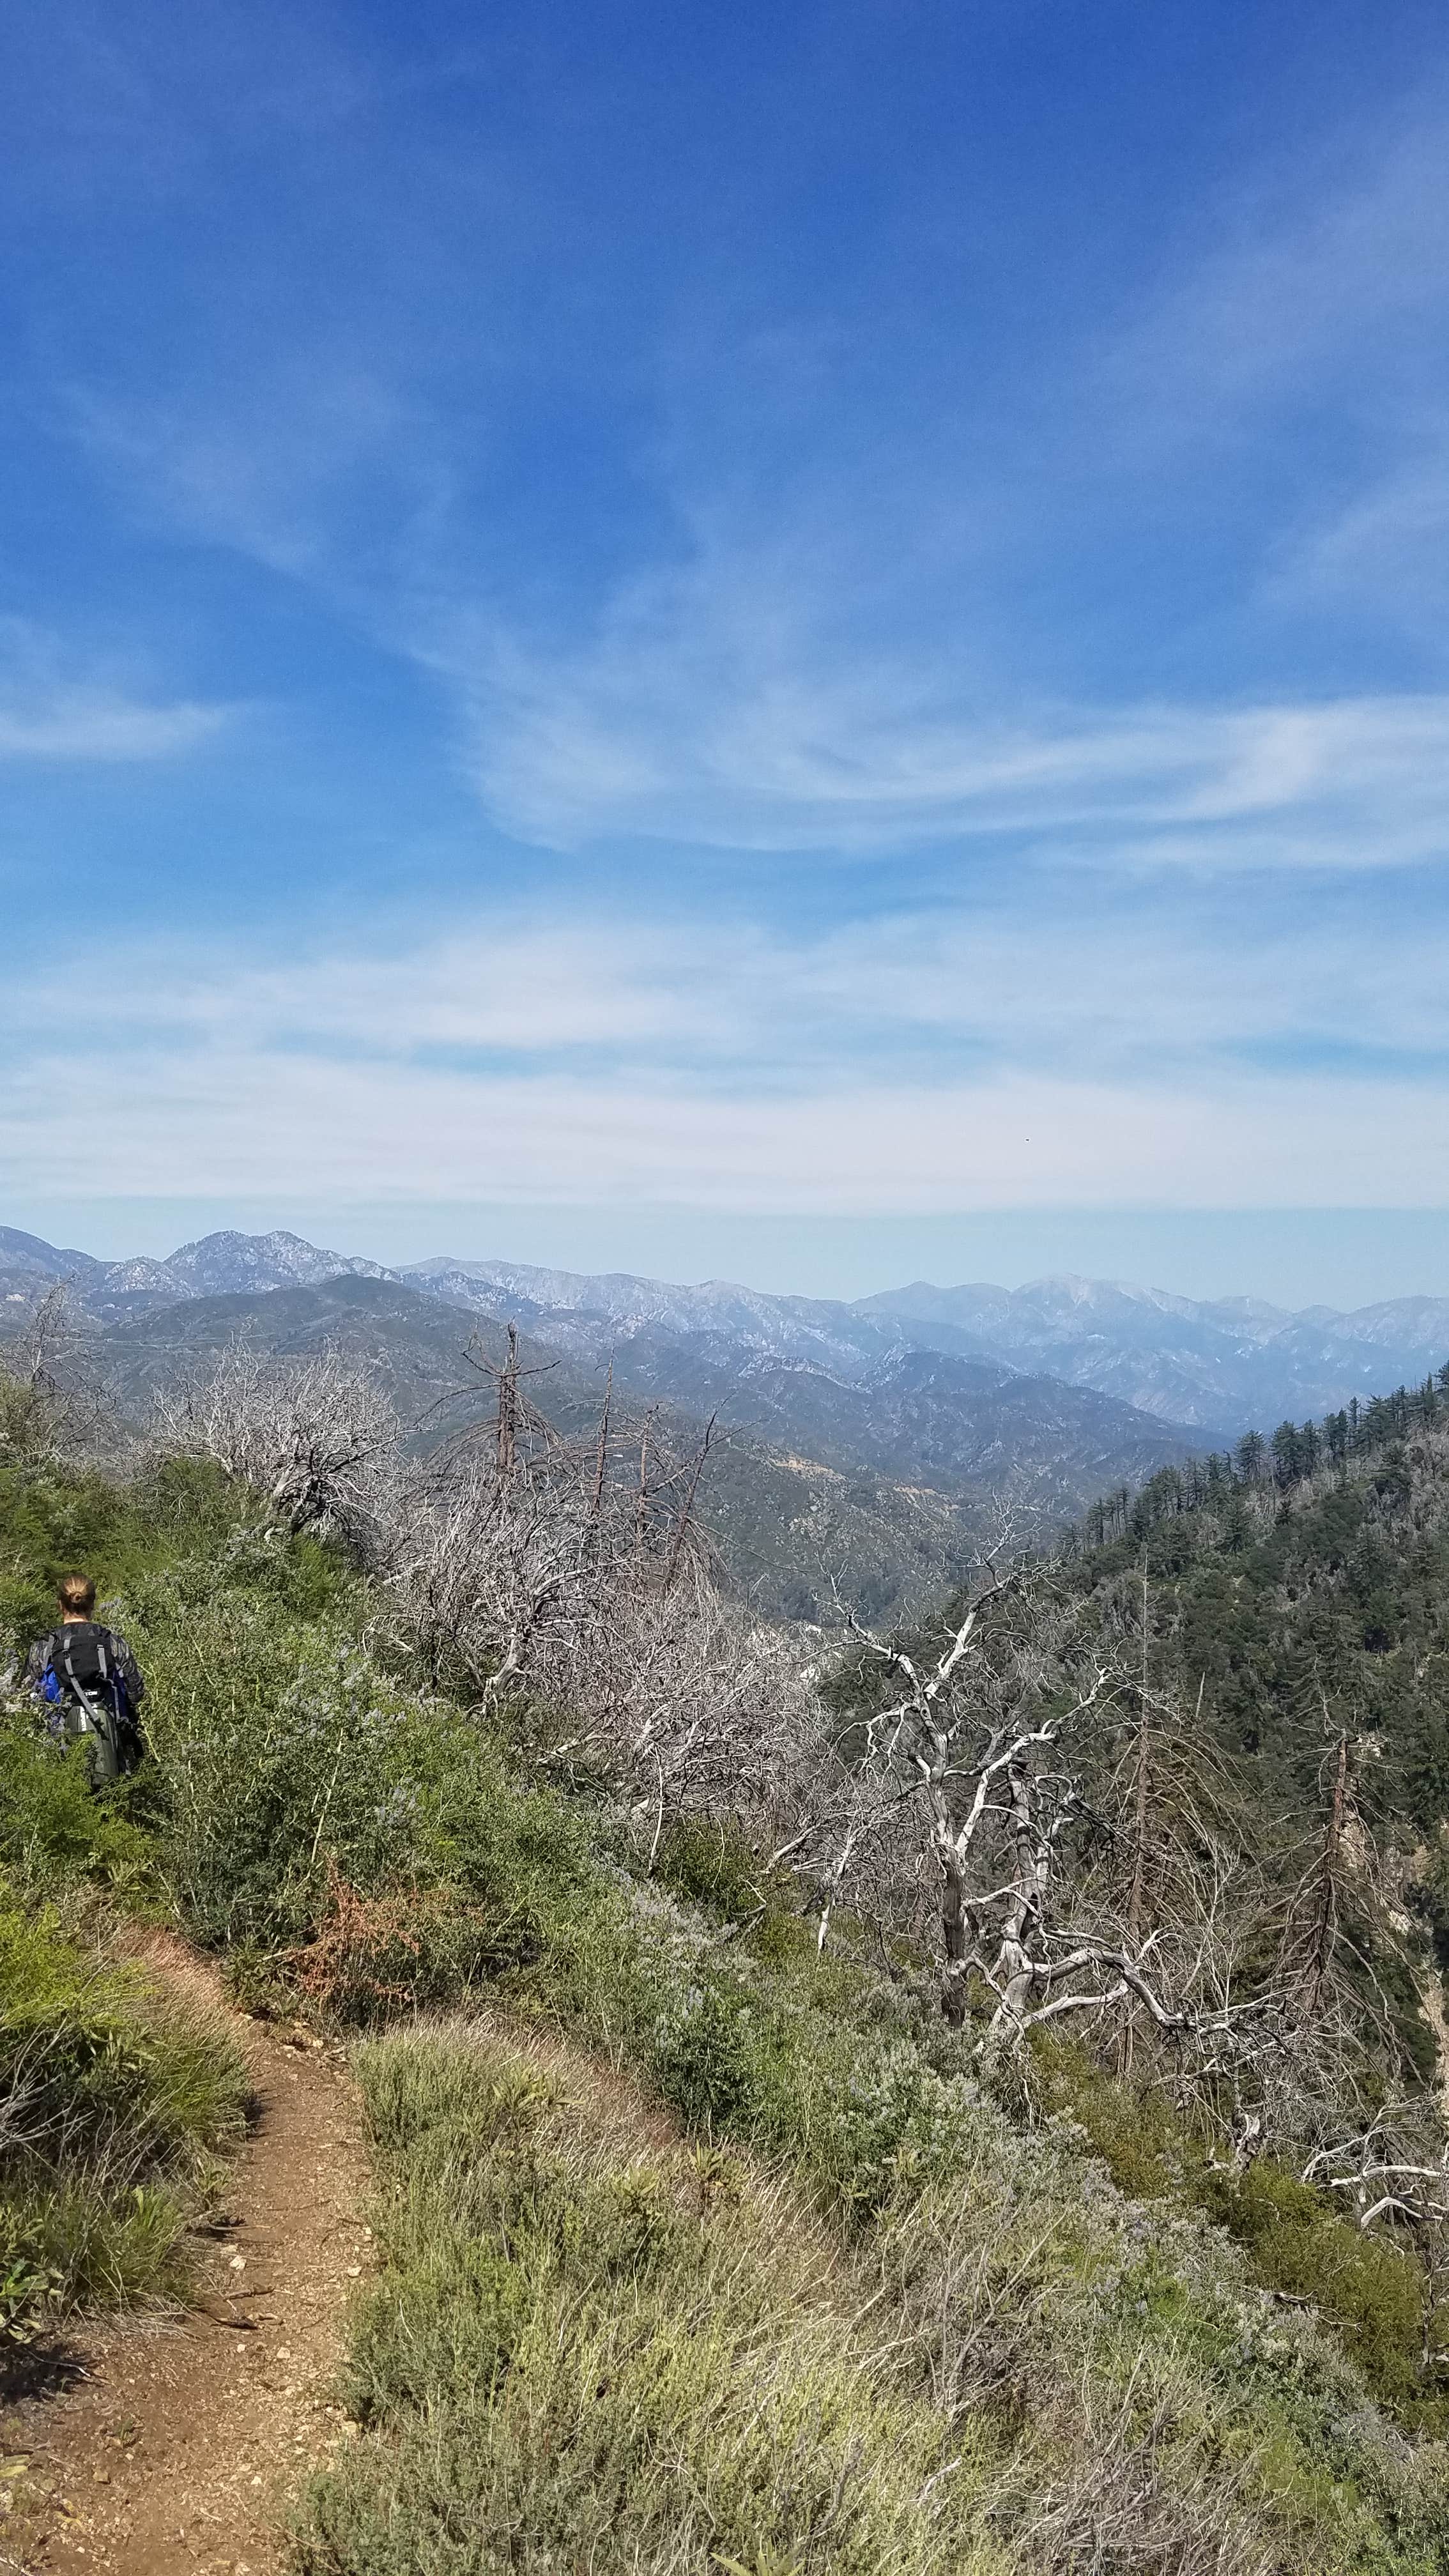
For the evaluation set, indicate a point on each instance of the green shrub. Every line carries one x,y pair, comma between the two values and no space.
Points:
115,2099
54,1832
53,1521
1370,2289
704,2057
1297,2244
292,1772
713,1865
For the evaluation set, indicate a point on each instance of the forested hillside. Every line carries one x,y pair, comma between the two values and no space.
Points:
1242,1671
704,2237
1300,1588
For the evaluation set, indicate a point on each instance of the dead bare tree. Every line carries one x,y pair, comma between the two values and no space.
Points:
1141,1788
508,1409
51,1404
584,1597
601,1450
981,1763
684,1525
315,1436
1167,1851
1394,2167
1315,1909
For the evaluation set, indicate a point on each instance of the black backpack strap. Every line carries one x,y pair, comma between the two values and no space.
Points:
100,1718
62,1655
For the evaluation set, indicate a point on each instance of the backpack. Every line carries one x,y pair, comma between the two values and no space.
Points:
83,1680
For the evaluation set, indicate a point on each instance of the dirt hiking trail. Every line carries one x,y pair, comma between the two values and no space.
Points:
180,2442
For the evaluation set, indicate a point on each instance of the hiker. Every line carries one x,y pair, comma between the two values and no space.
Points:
87,1677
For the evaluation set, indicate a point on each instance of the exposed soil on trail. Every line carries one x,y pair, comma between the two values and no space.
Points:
178,2444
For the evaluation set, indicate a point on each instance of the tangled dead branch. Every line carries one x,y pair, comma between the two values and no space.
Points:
314,1435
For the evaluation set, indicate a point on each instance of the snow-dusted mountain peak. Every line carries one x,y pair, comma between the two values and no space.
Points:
226,1264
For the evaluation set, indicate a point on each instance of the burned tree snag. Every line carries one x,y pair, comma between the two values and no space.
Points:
508,1409
681,1528
1324,1923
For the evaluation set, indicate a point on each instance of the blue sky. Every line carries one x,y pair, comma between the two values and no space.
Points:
803,643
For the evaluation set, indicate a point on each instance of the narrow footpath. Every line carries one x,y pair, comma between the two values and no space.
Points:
179,2444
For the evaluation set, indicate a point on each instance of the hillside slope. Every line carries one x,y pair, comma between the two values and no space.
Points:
886,2311
785,1525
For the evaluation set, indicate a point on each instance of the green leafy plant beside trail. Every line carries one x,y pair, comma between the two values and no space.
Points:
294,1772
116,2100
588,2347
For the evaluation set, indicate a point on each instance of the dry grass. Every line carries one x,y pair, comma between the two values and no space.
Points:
594,2347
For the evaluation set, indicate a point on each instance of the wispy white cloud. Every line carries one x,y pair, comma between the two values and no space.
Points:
97,110
660,732
501,984
49,713
1125,986
1325,261
253,1126
926,1061
99,725
1315,324
312,462
1385,551
787,673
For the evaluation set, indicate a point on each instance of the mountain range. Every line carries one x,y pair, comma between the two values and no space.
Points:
1210,1367
866,1436
1214,1366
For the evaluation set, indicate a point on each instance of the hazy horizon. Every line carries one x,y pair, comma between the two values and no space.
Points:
1313,1256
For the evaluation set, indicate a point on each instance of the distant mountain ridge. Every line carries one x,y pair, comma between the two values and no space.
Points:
1210,1367
843,1447
218,1265
1216,1366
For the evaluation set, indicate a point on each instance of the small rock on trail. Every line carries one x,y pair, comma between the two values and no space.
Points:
182,2442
